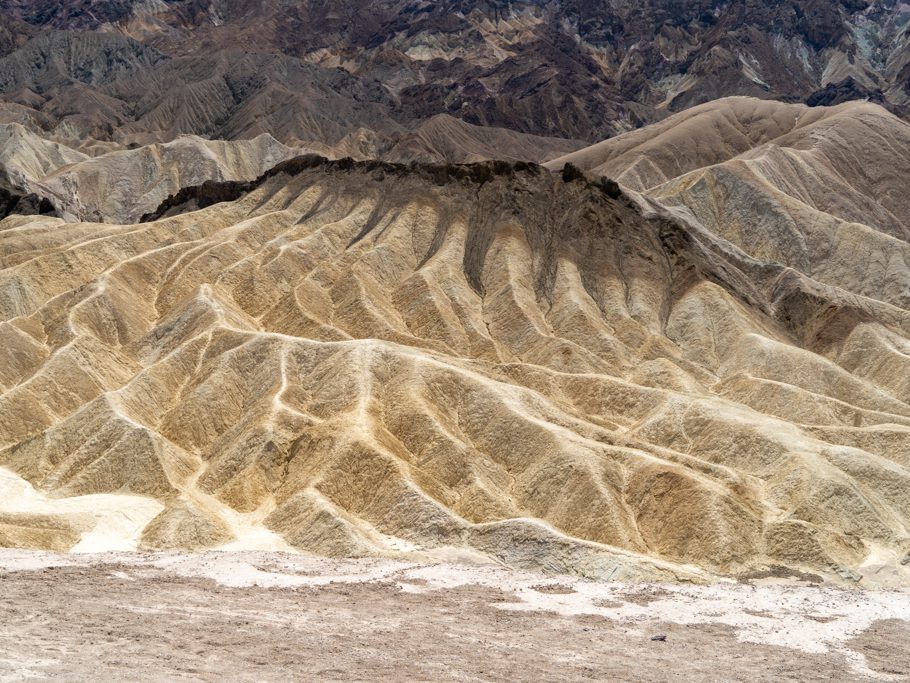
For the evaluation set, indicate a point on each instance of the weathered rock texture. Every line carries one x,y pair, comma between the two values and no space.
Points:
318,72
107,182
119,186
705,373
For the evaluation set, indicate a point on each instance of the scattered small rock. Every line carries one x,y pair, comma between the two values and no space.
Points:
660,637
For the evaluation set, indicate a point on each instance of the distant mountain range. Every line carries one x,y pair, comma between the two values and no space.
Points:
313,73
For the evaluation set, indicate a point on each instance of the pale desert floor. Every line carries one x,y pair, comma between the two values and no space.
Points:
264,616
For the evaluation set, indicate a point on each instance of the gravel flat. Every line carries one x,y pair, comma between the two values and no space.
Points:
275,617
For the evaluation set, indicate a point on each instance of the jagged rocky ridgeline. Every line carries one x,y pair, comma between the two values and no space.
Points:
702,372
91,181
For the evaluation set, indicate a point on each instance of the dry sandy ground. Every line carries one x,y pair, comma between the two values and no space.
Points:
260,616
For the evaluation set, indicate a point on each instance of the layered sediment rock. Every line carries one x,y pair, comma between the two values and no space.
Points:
545,368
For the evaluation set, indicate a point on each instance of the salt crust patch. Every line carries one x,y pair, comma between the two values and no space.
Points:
118,520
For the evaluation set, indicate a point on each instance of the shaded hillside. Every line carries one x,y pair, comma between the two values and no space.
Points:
119,185
363,357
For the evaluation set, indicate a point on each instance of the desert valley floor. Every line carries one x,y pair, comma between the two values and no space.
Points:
271,616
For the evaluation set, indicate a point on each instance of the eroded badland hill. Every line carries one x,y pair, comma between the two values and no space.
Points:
700,371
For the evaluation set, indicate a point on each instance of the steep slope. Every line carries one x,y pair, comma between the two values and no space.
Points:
445,139
820,190
120,186
28,157
14,200
357,357
839,211
707,134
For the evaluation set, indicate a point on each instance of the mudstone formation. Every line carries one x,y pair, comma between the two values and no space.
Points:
460,280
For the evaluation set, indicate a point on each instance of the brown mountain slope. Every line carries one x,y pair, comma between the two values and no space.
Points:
363,357
849,138
827,183
119,185
707,134
445,139
319,71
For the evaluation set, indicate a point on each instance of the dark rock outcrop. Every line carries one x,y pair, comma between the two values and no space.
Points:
844,91
15,201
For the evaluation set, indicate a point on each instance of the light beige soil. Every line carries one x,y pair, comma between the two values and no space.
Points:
202,618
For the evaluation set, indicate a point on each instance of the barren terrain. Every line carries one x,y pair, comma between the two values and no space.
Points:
271,616
458,340
701,372
375,72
